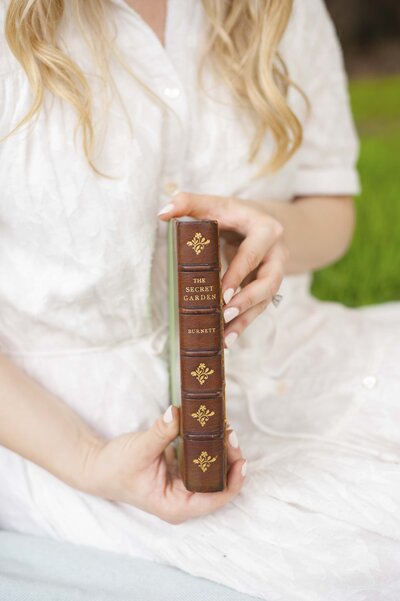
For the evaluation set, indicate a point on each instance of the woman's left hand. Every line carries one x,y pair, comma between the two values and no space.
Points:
261,252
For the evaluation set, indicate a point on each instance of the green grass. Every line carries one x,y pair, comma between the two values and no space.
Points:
370,272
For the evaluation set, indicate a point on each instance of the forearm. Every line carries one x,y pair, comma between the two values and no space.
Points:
317,230
40,427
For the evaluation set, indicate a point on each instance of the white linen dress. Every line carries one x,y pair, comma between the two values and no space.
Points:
312,388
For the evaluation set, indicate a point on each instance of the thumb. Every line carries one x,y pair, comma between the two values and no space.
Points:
161,434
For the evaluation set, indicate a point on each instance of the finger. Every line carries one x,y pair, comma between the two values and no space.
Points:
170,453
231,238
251,253
189,205
158,437
181,505
171,458
236,327
229,251
268,281
171,461
204,503
231,213
233,447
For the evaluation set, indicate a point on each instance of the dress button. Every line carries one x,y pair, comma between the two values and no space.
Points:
172,92
281,387
170,187
369,382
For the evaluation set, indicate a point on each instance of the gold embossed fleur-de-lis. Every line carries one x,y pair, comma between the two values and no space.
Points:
198,242
202,415
204,460
201,373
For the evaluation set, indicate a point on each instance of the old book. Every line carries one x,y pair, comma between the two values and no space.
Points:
197,352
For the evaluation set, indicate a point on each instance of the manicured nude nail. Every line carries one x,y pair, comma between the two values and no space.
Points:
166,209
228,295
168,417
230,314
230,339
244,469
233,439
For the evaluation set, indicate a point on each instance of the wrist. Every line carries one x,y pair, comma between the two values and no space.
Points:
88,450
278,210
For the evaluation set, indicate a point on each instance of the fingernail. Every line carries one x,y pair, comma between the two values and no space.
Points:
228,295
166,209
233,439
230,339
230,314
168,417
244,469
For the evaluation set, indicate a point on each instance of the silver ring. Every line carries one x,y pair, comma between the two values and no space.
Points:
277,299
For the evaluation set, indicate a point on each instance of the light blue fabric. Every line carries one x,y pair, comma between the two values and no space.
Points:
37,569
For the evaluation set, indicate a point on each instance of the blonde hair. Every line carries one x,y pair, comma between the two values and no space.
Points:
242,41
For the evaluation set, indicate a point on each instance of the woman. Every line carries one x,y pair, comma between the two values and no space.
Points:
265,145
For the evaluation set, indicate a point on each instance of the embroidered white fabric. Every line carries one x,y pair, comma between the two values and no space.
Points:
312,388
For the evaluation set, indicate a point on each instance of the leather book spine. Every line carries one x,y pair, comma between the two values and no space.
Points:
203,455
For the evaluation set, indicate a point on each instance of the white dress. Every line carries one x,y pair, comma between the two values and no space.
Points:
312,388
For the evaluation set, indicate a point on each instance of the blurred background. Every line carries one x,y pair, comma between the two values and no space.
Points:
369,31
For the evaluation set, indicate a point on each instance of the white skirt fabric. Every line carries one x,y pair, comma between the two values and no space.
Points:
313,391
312,388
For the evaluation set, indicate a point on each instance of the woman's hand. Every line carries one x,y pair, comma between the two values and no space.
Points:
258,266
137,468
141,469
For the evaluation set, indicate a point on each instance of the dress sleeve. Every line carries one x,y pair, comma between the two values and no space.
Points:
327,157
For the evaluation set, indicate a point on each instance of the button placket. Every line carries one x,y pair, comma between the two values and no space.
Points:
153,63
173,151
175,129
160,69
176,115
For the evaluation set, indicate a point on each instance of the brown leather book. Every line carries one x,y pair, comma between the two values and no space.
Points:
197,352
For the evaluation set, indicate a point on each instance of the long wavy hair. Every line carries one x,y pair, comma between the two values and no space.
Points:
241,43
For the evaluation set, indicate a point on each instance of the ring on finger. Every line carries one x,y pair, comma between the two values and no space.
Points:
276,300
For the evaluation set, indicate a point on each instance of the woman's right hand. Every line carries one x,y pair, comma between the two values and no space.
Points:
140,468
